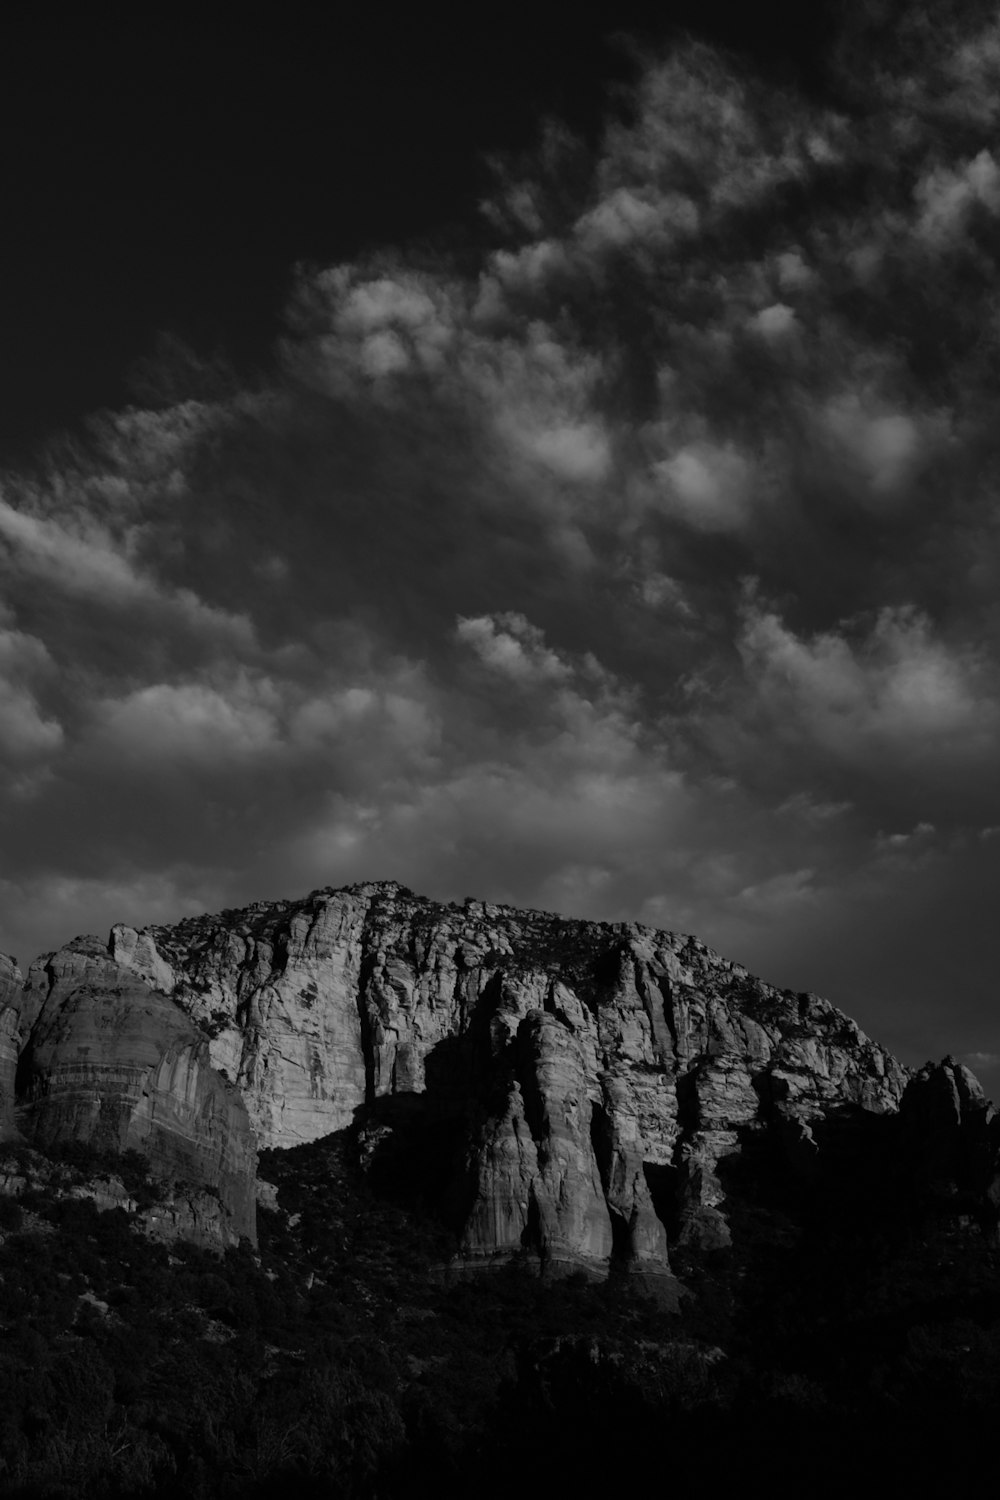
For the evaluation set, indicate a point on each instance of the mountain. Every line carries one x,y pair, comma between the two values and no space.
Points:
329,1116
571,1091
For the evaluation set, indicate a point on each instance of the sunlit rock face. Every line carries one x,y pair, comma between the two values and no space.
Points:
575,1091
10,1013
597,1077
111,1062
275,989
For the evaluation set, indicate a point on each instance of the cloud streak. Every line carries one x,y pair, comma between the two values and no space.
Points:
645,565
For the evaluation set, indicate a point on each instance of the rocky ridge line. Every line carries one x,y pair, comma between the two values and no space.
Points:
97,1056
582,1085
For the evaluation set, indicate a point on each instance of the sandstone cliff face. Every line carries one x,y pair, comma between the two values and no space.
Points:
599,1076
108,1060
10,1013
596,1082
950,1141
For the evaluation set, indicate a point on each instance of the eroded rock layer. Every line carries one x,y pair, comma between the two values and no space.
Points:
10,1016
109,1061
597,1077
576,1091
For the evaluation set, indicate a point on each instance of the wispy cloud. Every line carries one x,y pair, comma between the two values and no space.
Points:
27,733
644,565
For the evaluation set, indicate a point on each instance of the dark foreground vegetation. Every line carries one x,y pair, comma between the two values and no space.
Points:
841,1344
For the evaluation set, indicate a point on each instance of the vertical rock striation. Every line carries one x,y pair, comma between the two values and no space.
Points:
111,1062
598,1077
10,1017
595,1082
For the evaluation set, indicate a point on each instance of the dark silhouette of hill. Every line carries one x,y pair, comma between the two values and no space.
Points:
847,1334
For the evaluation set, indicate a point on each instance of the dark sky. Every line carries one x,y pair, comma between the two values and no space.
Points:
611,528
163,173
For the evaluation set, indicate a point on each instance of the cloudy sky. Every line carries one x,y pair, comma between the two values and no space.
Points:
627,548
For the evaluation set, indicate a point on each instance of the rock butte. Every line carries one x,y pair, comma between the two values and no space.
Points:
588,1080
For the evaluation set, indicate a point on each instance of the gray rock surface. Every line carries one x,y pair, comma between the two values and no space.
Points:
10,1016
950,1135
109,1061
595,1079
598,1073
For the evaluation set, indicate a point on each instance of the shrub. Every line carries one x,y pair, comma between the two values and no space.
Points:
11,1214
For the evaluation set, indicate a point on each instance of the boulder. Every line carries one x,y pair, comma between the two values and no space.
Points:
112,1063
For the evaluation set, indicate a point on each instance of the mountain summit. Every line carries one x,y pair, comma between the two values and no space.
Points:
577,1093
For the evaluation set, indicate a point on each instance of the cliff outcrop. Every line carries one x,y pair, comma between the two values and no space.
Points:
574,1091
950,1143
595,1078
10,1017
108,1061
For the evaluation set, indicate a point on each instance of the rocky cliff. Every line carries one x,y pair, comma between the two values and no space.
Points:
949,1142
578,1092
563,1094
10,1002
581,1085
107,1060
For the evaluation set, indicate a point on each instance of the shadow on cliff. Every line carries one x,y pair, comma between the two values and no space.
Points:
847,1180
416,1148
415,1156
842,1242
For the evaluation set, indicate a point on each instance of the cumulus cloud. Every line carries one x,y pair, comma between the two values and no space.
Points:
80,563
512,646
980,1060
461,594
884,444
894,697
946,196
894,841
189,723
27,733
623,217
84,561
709,487
782,892
775,322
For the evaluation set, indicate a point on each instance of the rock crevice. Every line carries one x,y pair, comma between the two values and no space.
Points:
595,1078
